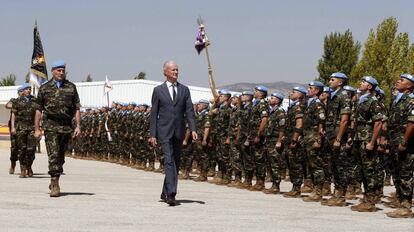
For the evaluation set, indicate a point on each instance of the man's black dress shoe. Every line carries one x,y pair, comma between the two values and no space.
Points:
163,197
171,201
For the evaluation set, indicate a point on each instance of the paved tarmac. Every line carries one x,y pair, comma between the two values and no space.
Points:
99,196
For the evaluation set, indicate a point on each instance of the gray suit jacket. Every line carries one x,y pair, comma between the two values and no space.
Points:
167,118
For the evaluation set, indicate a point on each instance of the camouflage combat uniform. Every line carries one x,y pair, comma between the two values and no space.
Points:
59,106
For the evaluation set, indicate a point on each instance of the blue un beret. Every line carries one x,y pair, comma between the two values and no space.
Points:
379,90
327,89
204,101
225,92
261,88
349,88
300,89
248,93
339,75
408,77
278,95
236,95
23,87
370,80
58,64
316,84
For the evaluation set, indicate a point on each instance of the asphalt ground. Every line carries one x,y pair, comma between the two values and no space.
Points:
100,196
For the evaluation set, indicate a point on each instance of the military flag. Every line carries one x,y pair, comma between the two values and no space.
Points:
201,44
38,70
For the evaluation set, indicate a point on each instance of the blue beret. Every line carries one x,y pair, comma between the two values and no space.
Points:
133,103
327,89
225,92
278,95
58,64
261,88
339,75
23,87
204,101
145,105
370,80
236,95
248,93
379,90
349,88
316,84
300,89
408,77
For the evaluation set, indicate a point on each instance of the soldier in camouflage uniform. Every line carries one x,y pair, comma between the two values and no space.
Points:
245,114
59,102
274,133
234,140
338,114
135,136
221,116
256,138
326,189
367,124
293,142
354,175
401,129
13,147
200,146
313,131
148,150
23,113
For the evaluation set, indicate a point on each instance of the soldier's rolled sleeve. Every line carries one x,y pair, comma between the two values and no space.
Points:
76,100
410,116
346,106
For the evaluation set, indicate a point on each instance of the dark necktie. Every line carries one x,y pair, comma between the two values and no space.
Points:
174,92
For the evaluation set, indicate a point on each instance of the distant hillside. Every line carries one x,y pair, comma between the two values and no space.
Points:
279,86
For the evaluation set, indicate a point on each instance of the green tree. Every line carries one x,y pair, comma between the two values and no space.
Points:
340,54
9,80
377,49
410,59
27,78
141,76
88,78
396,62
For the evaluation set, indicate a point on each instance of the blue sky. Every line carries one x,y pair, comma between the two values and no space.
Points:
252,41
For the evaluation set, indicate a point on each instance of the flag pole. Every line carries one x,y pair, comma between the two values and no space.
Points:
210,68
107,98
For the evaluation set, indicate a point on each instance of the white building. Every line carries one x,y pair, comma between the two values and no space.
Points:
92,94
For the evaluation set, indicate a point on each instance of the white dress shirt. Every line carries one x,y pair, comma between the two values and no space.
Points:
170,89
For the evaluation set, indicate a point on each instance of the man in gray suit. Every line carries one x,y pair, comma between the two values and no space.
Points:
171,104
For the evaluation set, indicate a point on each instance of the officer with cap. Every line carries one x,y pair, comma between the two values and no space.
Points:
401,130
338,118
367,123
59,102
294,133
13,146
274,133
22,121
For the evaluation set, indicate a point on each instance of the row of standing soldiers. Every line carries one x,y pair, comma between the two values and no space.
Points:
334,134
